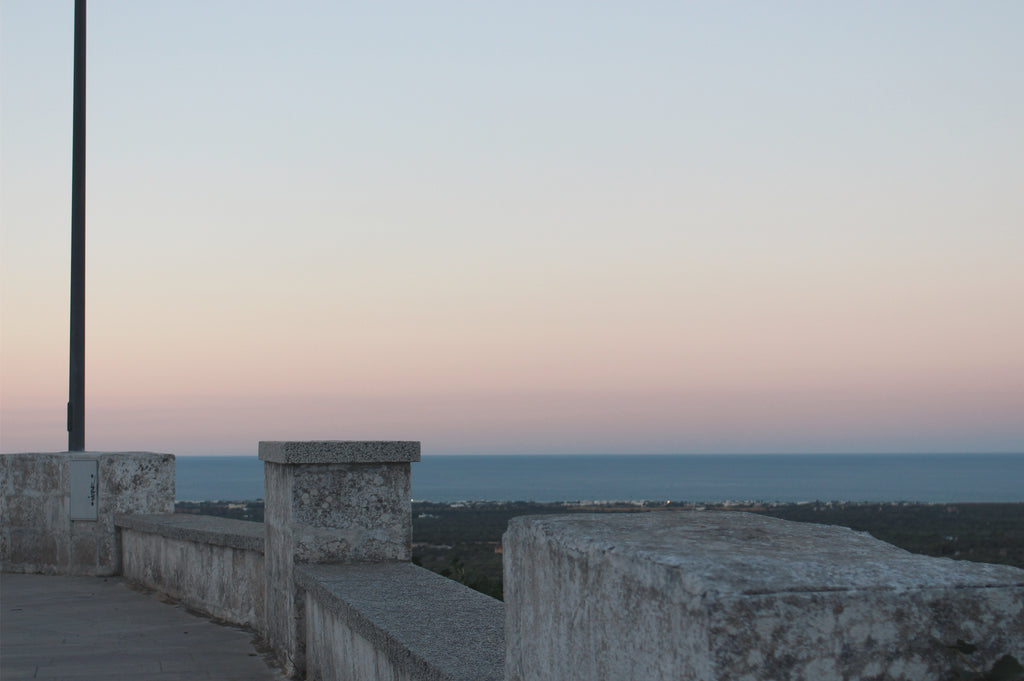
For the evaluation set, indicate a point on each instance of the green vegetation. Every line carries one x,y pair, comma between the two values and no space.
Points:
463,541
988,533
239,510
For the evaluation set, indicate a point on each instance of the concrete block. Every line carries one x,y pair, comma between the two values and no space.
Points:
28,511
133,482
34,551
713,595
86,551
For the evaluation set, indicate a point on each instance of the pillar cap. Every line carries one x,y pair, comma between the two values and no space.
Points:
339,451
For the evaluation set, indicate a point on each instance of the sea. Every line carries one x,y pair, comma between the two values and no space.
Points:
927,478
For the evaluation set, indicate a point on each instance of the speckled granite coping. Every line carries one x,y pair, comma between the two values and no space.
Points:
429,625
203,529
340,451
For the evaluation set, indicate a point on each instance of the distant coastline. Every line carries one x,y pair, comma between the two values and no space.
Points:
788,478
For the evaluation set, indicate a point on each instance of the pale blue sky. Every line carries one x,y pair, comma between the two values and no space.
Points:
527,227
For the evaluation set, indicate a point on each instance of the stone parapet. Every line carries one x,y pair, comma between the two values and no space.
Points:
714,595
401,622
214,565
54,523
200,529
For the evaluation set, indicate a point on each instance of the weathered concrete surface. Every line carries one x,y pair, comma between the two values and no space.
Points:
340,451
200,529
329,502
716,596
399,622
38,534
214,565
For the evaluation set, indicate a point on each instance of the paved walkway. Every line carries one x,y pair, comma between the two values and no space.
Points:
82,628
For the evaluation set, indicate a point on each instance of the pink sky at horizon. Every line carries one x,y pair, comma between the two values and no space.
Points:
510,232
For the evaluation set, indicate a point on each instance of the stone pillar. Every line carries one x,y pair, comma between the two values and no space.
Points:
329,502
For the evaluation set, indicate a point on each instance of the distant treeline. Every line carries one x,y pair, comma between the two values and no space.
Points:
463,541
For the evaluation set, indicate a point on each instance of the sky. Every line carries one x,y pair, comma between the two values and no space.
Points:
520,227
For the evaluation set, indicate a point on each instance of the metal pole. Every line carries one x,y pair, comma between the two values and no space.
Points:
76,384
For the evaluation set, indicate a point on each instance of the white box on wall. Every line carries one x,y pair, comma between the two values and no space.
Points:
85,489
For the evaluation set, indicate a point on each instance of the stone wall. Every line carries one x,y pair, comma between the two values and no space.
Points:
41,530
660,595
339,516
710,596
399,622
214,565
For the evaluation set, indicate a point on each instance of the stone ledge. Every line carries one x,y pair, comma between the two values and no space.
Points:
717,595
339,451
724,554
202,529
431,626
